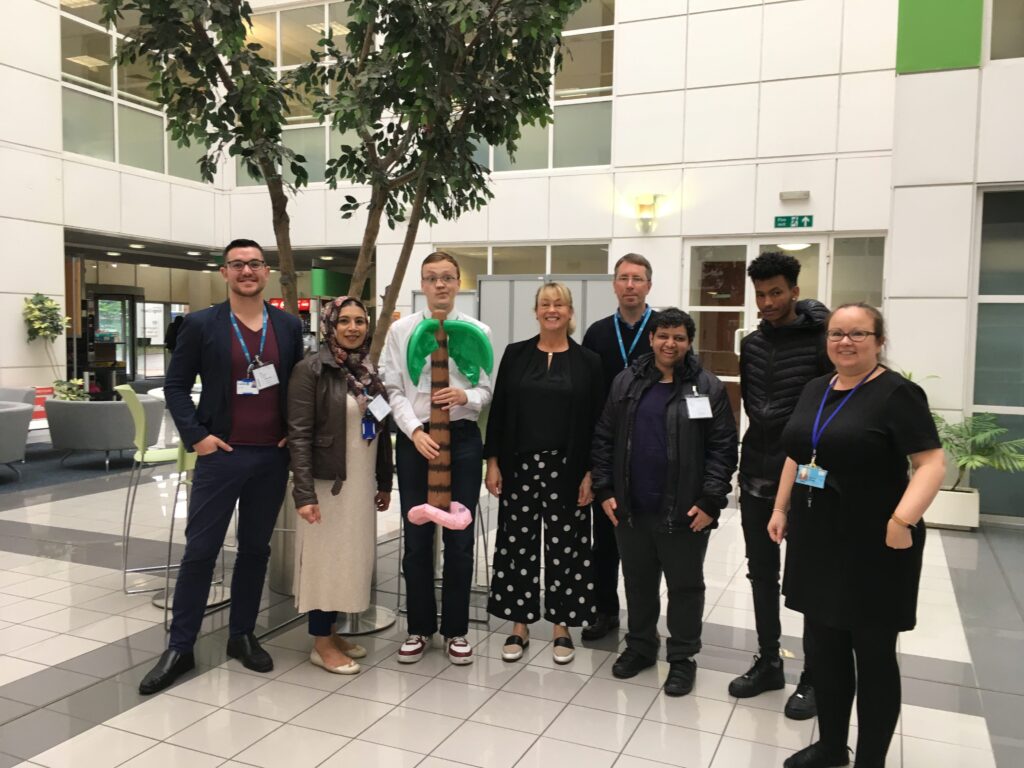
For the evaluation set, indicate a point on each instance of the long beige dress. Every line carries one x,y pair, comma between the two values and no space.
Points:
334,558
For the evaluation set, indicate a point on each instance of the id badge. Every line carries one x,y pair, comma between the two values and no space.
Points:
811,475
369,428
698,407
265,376
246,387
380,408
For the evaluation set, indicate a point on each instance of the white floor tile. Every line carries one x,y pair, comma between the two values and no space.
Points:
766,727
66,619
217,687
18,636
56,649
673,744
224,733
24,611
411,730
12,669
278,701
315,677
99,747
484,671
691,711
546,753
169,756
586,661
593,728
13,577
431,665
493,643
950,727
284,660
737,753
546,683
360,753
518,712
74,595
447,698
33,587
771,700
161,717
292,746
616,696
111,629
485,746
343,715
385,685
922,753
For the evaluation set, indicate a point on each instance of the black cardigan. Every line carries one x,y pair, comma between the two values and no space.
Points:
588,394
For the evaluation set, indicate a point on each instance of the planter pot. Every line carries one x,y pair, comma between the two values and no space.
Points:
957,509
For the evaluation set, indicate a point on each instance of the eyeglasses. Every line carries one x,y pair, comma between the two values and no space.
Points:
446,279
238,266
626,279
855,336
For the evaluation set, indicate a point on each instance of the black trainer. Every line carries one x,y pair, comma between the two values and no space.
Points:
817,756
602,625
765,675
630,664
681,676
802,704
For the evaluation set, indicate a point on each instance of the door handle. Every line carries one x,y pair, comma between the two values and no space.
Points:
737,337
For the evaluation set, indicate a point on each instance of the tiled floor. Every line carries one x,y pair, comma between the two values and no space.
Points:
73,647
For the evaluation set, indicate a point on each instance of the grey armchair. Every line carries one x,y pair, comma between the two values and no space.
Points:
83,425
18,395
14,421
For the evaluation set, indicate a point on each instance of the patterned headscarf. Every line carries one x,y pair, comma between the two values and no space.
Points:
363,382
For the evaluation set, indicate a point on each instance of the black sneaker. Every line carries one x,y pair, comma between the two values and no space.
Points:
602,625
817,756
802,704
681,676
630,664
765,675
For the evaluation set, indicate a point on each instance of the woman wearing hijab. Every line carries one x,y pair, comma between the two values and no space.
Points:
342,470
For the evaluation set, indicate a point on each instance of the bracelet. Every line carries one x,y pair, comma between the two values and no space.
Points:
900,521
780,511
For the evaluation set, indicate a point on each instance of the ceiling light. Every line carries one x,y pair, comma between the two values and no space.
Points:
113,253
795,246
326,258
211,264
113,265
194,253
89,62
206,272
337,28
136,246
77,3
143,265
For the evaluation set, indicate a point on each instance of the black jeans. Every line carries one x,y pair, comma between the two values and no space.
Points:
647,551
418,560
320,622
606,563
861,662
255,477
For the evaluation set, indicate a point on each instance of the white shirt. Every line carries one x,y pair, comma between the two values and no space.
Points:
410,401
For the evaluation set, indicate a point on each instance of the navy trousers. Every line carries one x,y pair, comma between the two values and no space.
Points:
255,477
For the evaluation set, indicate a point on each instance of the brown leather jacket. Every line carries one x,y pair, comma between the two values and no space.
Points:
316,429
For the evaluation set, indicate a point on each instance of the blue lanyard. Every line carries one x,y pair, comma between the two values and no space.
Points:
817,432
245,349
639,333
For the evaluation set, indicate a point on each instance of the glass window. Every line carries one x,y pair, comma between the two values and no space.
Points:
133,81
999,360
130,20
88,125
89,10
308,142
583,134
808,255
140,139
339,19
301,31
264,32
300,108
482,154
1002,244
85,55
593,13
531,151
338,139
715,334
519,260
472,263
1001,491
857,270
184,161
718,275
1007,29
242,177
583,259
586,67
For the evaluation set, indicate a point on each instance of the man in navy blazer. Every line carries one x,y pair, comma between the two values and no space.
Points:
244,351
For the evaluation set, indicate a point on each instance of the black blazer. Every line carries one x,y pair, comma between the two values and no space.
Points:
203,348
588,395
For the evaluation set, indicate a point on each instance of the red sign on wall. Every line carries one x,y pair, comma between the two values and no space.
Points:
42,394
279,303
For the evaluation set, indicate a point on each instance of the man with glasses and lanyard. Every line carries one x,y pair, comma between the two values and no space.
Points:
244,351
619,339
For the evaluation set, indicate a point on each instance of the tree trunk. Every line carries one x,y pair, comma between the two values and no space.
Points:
282,233
365,261
391,294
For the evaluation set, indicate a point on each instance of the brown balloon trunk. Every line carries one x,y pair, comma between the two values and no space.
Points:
439,472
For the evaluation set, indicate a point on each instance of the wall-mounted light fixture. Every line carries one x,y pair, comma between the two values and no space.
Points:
796,194
647,213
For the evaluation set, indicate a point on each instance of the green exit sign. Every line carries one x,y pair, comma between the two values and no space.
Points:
793,222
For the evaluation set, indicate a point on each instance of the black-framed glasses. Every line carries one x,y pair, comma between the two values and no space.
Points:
446,279
238,265
856,337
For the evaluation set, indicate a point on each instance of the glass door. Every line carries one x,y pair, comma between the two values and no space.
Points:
812,253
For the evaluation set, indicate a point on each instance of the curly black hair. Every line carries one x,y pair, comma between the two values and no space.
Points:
771,264
672,317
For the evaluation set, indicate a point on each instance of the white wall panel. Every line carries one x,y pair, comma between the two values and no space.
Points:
798,117
92,197
668,185
648,129
699,6
801,39
222,208
912,345
18,352
34,256
718,200
30,38
519,210
145,207
387,260
1000,148
866,104
723,47
581,207
32,110
194,214
936,127
931,243
397,235
869,34
36,193
155,281
650,56
250,217
471,227
341,231
863,193
637,10
666,257
721,123
817,177
306,211
39,376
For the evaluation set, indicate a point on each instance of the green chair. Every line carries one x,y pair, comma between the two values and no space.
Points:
144,456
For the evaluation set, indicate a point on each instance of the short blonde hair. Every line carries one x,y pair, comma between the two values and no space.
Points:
561,292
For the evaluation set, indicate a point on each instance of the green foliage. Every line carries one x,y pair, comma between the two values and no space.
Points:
43,318
73,389
975,443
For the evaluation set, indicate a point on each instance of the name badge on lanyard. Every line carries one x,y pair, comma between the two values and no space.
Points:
639,333
258,375
698,406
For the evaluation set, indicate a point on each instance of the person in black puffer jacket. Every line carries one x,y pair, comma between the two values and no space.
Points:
776,361
662,463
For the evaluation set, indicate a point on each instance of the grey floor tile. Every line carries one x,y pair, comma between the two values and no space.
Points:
153,640
38,731
997,659
47,686
1006,546
1004,714
8,761
952,698
107,661
100,702
9,710
937,670
1007,754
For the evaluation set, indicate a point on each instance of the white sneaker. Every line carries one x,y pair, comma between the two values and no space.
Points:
412,649
460,651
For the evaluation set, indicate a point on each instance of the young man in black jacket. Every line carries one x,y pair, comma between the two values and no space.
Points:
776,361
662,464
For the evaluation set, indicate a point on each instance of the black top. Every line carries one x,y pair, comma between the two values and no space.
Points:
600,337
648,461
544,402
838,569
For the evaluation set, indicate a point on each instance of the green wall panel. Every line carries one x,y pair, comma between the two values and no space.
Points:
939,34
328,284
